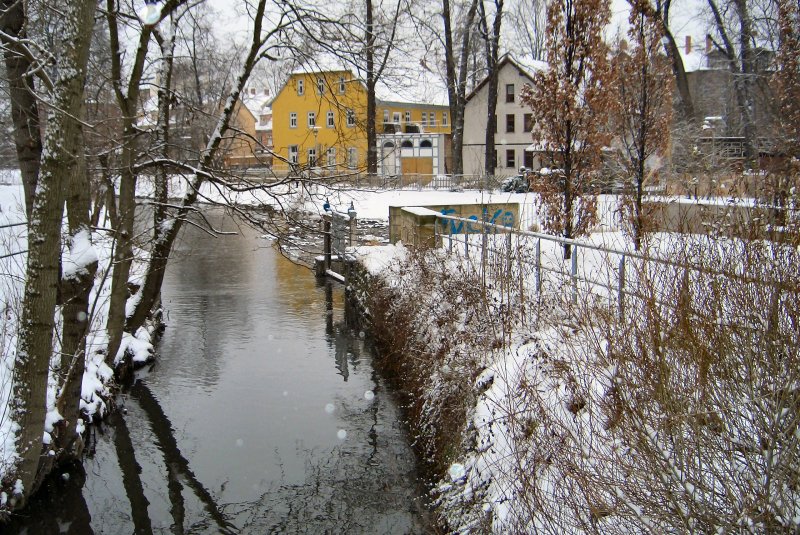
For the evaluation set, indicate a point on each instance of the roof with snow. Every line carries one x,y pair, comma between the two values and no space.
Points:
413,84
526,68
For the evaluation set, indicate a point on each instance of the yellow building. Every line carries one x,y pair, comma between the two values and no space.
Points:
319,121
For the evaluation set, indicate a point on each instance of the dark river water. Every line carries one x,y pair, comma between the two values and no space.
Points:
263,414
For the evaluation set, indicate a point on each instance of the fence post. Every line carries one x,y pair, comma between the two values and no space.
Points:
539,266
326,247
574,272
484,250
621,295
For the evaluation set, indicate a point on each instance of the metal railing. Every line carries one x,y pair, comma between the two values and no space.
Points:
521,259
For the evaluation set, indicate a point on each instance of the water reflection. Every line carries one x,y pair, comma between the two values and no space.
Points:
236,429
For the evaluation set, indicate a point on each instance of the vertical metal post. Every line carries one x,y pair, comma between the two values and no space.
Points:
539,265
574,274
466,243
449,237
326,247
353,227
621,294
484,250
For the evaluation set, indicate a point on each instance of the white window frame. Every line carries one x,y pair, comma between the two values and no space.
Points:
408,116
312,119
331,157
311,157
301,87
341,85
351,118
320,85
293,153
396,117
293,119
330,120
424,118
352,158
385,116
432,119
445,119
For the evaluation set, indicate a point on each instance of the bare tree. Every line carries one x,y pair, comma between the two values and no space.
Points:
20,66
737,40
526,28
35,346
564,99
456,76
491,39
644,90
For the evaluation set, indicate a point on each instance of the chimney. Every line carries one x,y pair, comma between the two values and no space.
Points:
709,44
688,45
252,90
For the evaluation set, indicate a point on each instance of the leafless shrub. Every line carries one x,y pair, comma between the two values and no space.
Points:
681,414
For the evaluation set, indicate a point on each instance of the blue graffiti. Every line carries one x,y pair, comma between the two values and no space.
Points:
499,217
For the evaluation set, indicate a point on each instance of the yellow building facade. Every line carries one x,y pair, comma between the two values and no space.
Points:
319,121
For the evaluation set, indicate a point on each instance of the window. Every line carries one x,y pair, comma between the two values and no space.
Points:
320,85
408,116
432,119
341,85
407,144
312,157
292,153
511,161
425,144
329,120
424,118
510,122
332,157
293,120
312,119
444,118
351,118
396,117
527,122
301,86
385,116
509,92
352,158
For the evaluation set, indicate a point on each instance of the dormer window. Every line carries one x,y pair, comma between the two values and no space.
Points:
301,86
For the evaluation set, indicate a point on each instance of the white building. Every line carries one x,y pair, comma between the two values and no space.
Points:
514,121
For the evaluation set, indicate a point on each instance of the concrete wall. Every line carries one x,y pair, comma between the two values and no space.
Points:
415,225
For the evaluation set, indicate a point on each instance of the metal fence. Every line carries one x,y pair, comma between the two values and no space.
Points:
521,262
358,179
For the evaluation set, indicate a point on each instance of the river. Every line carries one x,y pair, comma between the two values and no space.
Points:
262,414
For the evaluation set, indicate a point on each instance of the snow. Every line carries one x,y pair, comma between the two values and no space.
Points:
79,254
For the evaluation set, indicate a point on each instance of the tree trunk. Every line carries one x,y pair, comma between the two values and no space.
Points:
24,107
126,201
75,312
492,50
372,135
457,81
35,345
